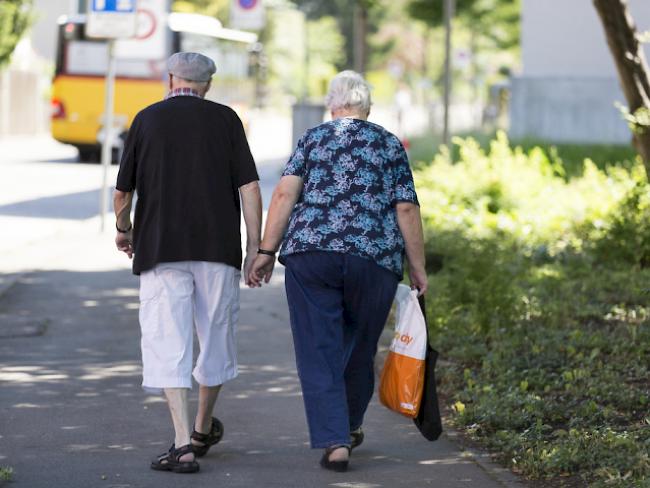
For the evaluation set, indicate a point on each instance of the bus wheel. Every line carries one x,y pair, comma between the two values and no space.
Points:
88,155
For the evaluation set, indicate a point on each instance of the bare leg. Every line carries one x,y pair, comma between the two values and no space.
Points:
178,407
207,399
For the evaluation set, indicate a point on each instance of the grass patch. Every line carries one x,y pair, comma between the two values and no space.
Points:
573,155
540,302
6,473
424,148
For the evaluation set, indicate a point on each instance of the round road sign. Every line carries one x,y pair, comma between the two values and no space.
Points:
146,24
248,4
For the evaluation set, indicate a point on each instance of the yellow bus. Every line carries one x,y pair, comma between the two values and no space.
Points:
141,79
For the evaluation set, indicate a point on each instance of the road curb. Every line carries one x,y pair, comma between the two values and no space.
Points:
8,281
498,473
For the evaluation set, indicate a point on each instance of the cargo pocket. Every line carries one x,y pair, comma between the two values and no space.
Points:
150,290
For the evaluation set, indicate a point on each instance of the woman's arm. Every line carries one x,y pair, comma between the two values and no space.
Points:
410,225
284,199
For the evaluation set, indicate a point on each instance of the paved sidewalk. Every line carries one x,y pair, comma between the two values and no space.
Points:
72,413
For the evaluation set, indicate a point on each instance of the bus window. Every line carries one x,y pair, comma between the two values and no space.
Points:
81,63
87,57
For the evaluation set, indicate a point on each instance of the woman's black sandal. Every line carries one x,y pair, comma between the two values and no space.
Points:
170,461
209,439
338,466
356,438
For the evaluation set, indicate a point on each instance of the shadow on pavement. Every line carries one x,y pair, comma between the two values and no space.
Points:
73,415
71,206
71,159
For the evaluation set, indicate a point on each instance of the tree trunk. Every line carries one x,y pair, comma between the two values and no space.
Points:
360,33
630,62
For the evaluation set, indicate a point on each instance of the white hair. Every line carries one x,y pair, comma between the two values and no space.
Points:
348,90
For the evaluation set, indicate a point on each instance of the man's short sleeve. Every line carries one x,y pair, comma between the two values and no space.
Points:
128,164
244,165
404,186
296,166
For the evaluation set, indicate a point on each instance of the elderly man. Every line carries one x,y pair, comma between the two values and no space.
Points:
189,162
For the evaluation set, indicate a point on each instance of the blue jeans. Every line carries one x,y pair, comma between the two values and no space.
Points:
338,306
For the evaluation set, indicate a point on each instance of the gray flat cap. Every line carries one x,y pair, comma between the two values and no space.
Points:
191,66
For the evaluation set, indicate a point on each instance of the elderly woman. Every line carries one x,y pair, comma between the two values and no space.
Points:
346,212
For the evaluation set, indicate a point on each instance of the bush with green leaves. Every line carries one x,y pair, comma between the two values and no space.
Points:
540,304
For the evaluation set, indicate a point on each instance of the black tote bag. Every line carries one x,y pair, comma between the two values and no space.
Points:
428,420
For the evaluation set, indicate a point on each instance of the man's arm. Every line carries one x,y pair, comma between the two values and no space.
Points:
251,198
122,202
410,225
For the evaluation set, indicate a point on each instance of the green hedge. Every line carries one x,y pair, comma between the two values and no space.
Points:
540,285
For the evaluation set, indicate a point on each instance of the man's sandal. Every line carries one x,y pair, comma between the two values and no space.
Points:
207,440
338,466
356,438
170,461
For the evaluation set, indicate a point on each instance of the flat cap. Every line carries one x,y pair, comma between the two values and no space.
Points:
191,66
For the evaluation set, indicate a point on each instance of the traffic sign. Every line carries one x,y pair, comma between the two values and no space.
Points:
111,19
150,40
113,6
248,4
247,14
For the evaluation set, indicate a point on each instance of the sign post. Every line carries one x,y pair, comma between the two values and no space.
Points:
110,20
107,142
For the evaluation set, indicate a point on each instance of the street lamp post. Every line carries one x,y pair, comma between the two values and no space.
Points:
107,143
449,7
306,60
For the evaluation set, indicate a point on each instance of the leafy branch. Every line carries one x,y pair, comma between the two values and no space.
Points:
15,19
638,121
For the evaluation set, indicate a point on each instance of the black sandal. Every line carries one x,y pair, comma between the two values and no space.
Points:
356,438
170,461
338,466
209,439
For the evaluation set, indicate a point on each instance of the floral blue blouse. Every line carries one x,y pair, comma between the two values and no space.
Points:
354,173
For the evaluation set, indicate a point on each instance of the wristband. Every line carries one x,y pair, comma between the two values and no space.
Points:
123,231
265,252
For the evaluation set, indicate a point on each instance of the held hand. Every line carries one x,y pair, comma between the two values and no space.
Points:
418,277
262,269
124,243
248,263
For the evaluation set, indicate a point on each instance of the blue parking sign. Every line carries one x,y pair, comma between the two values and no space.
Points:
119,6
111,19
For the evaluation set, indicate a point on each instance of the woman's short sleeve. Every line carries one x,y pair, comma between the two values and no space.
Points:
296,166
404,186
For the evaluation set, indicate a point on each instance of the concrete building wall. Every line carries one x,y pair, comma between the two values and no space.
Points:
43,34
568,86
24,84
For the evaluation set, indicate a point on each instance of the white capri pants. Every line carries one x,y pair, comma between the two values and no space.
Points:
175,298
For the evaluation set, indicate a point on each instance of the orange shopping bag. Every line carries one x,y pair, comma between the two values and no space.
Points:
402,378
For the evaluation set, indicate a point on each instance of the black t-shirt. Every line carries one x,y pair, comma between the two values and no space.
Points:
186,158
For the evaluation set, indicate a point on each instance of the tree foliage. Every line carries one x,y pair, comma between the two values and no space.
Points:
213,8
15,18
343,12
494,20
